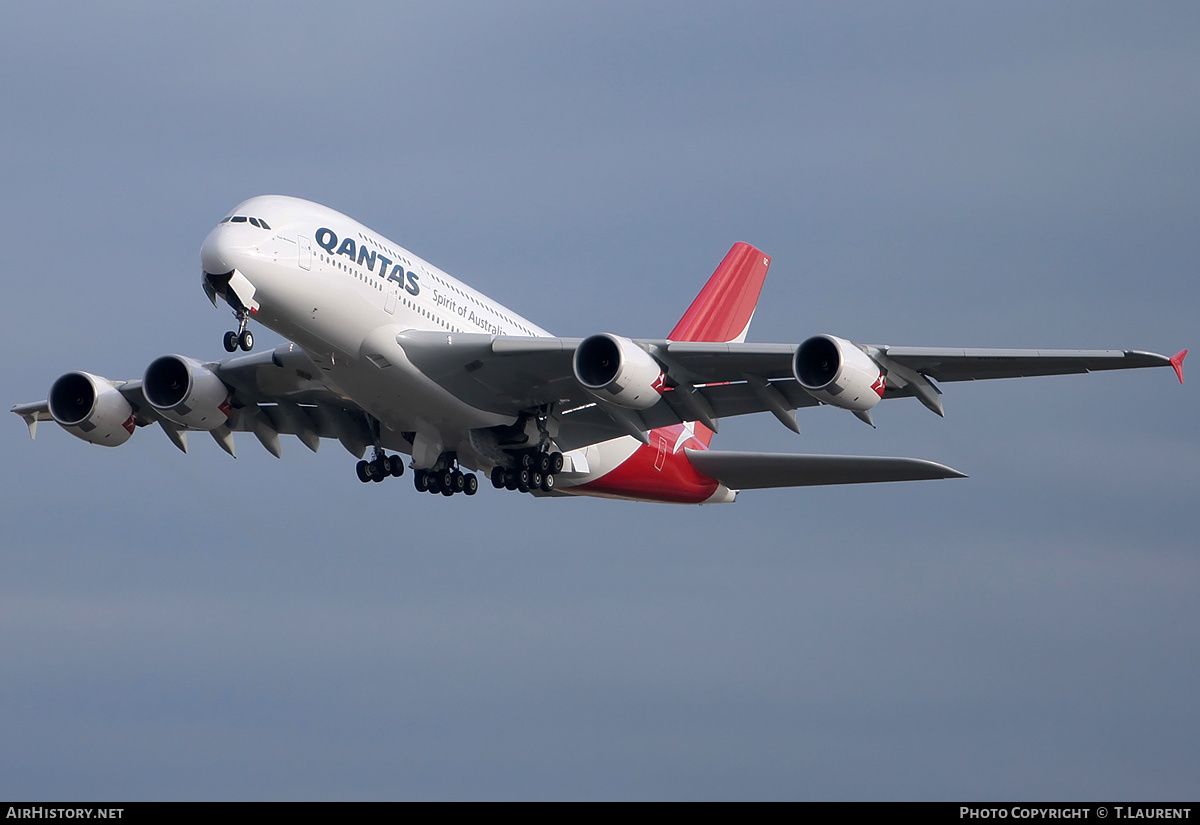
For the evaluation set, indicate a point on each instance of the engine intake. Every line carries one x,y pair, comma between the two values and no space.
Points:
92,408
834,371
617,370
186,392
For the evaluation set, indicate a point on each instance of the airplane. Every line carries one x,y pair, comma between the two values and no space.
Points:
389,353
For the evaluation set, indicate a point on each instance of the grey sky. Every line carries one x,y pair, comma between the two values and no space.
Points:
1016,174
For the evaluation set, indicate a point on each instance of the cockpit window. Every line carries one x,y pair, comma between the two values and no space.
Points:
259,222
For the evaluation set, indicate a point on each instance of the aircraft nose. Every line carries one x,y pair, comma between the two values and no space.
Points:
216,256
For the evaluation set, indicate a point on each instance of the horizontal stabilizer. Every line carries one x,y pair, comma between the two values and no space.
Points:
751,471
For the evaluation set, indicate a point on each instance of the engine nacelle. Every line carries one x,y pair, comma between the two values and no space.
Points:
186,392
616,370
834,371
92,408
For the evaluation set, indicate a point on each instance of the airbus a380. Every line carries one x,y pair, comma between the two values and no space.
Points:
389,353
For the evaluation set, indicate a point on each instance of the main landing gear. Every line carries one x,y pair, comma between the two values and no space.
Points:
380,467
243,338
534,471
447,482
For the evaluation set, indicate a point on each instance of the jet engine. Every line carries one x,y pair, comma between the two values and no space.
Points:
836,372
186,392
92,408
616,370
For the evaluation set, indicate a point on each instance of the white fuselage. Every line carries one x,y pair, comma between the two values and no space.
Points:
342,292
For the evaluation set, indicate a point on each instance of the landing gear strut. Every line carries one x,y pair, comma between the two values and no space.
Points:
243,338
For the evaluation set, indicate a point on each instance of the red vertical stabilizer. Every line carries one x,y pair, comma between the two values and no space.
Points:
723,309
721,313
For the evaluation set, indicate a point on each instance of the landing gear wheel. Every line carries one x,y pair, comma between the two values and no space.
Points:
380,468
497,477
230,341
547,482
556,462
528,460
395,465
510,480
535,480
421,480
246,340
459,481
446,480
364,471
434,483
544,463
471,485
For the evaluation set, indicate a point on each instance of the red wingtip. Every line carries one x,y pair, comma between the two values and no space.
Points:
1177,363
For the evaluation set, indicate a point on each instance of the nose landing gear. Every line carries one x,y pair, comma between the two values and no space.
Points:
243,338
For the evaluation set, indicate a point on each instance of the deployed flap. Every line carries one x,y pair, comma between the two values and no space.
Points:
752,471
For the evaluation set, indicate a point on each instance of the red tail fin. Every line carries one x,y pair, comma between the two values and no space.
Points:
723,309
660,470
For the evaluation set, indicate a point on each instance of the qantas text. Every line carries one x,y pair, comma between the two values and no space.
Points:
327,239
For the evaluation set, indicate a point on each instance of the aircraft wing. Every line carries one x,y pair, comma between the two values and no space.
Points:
980,364
283,392
708,381
707,363
271,393
513,374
